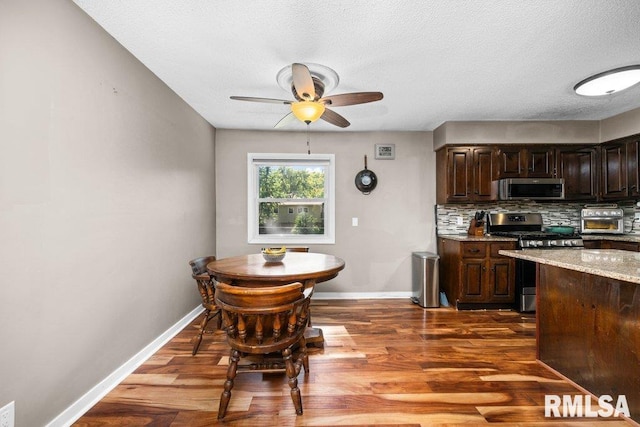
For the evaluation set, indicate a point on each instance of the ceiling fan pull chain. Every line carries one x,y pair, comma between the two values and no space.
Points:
308,146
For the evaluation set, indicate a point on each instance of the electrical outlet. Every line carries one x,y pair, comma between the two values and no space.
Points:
636,216
7,415
458,220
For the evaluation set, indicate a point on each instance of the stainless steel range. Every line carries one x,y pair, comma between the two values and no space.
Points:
528,229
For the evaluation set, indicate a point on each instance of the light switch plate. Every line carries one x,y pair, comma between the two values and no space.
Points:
354,222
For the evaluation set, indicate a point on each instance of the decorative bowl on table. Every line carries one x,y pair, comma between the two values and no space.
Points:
274,254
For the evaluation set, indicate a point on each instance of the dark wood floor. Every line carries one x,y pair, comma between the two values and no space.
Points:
384,362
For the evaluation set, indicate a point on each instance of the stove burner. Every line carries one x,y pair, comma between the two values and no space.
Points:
542,239
535,235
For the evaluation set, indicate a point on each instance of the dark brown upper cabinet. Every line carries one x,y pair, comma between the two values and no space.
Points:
620,173
579,168
511,162
613,163
540,162
603,172
526,162
483,185
469,174
633,166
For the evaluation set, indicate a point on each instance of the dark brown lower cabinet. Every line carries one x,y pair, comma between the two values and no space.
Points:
612,244
589,330
474,275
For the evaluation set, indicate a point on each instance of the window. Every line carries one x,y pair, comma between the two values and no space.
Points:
291,198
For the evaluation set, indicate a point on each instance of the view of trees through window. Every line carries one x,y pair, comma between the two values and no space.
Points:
291,199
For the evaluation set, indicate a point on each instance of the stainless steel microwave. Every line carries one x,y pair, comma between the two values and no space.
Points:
531,189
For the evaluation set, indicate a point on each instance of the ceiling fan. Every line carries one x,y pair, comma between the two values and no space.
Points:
308,87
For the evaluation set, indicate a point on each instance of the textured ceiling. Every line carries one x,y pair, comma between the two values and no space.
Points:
435,61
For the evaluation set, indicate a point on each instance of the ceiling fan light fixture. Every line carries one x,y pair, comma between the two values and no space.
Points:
609,82
307,111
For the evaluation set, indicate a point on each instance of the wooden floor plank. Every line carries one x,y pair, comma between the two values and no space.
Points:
384,362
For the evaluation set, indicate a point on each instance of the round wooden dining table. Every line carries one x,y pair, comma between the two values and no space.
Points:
304,267
253,270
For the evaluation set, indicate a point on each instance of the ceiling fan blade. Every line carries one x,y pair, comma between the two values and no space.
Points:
289,118
334,118
268,100
351,98
303,82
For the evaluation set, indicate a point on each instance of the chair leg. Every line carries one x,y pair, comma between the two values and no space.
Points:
198,338
304,355
203,327
219,321
228,384
293,380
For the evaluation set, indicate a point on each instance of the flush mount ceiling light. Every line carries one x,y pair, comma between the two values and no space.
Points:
609,82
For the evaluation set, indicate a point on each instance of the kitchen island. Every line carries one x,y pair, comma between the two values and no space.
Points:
588,318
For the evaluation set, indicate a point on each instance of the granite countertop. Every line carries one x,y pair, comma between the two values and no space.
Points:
612,263
489,238
485,238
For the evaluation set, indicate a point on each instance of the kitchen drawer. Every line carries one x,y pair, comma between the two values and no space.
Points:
474,250
612,244
592,244
500,246
625,246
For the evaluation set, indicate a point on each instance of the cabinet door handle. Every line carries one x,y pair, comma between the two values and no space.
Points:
474,250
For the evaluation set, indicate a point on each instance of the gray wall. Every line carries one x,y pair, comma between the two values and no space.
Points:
517,132
538,132
396,219
106,191
621,125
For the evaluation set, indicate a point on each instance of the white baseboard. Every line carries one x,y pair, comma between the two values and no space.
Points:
362,295
93,396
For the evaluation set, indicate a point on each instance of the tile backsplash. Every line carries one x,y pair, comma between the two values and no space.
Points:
455,219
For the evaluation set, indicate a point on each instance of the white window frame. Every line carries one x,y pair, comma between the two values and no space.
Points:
253,228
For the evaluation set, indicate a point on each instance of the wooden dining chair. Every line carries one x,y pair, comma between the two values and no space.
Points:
265,321
316,341
207,289
304,249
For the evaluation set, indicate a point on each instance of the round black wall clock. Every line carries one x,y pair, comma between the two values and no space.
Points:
366,180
